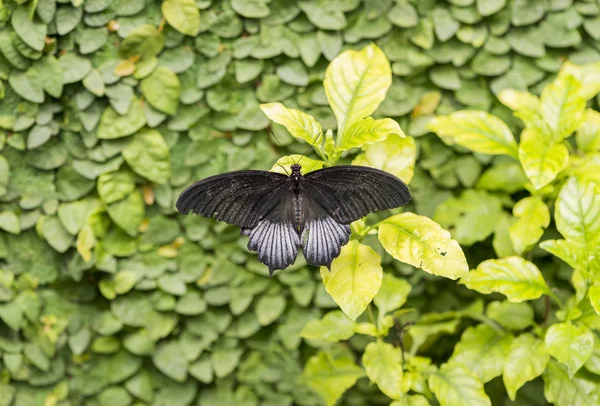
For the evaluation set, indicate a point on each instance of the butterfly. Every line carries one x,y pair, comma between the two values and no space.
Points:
283,213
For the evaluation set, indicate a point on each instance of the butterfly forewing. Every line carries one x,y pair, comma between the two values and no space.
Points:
349,192
239,198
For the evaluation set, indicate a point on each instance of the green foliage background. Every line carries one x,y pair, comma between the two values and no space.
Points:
108,297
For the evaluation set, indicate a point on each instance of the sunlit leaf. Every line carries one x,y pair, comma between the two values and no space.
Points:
526,361
383,364
355,84
298,123
514,277
422,243
562,106
533,217
334,326
395,155
588,75
560,389
577,212
183,15
330,377
392,294
483,351
477,130
368,131
588,134
454,384
354,279
570,344
541,157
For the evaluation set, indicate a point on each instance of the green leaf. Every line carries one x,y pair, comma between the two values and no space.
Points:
299,124
333,327
224,362
114,186
395,155
470,218
368,131
455,385
183,15
514,277
570,344
562,106
541,158
55,234
533,217
128,213
113,125
140,386
526,361
355,84
588,134
560,389
392,294
330,377
489,7
588,75
354,278
383,364
9,222
308,165
251,8
269,308
577,212
422,243
74,67
144,41
31,31
483,351
476,130
50,75
327,15
148,155
27,85
162,90
513,316
170,360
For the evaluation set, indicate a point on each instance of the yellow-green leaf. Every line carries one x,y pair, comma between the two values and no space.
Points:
570,344
86,240
422,243
183,15
594,294
383,364
588,134
392,294
542,159
562,106
483,351
588,75
356,83
300,125
368,131
162,90
577,211
334,326
395,155
525,106
559,389
307,164
514,277
148,155
9,222
533,217
526,361
476,130
354,279
455,385
330,377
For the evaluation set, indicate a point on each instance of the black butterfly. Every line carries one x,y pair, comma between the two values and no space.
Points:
282,213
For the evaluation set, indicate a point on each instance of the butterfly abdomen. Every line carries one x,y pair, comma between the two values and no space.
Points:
298,212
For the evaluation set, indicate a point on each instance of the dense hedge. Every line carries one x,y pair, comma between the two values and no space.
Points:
108,297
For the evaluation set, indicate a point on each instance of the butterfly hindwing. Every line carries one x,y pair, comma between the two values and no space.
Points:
240,198
274,237
322,236
350,192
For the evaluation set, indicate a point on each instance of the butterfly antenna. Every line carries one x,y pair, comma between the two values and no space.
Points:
308,149
282,167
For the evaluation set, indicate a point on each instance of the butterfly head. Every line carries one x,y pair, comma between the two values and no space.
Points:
296,169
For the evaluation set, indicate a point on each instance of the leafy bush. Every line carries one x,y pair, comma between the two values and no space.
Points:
110,108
